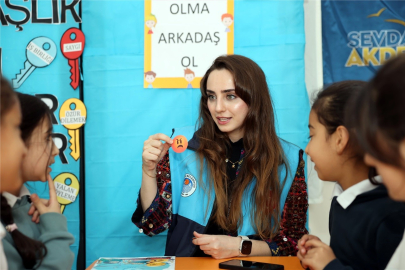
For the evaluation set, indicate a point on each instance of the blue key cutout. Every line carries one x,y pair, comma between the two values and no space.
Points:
40,52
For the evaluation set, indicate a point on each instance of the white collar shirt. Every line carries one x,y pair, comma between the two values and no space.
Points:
346,197
11,199
3,260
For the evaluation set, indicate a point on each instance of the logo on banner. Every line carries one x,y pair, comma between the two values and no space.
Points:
375,47
189,185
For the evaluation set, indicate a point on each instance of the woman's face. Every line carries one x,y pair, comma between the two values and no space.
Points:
41,153
227,109
13,150
392,176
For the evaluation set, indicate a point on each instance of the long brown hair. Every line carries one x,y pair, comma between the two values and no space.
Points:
263,152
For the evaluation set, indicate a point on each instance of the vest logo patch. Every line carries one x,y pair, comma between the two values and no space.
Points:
189,185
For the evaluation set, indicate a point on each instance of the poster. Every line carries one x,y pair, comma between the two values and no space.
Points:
182,39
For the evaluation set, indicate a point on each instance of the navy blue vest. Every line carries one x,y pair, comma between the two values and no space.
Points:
191,205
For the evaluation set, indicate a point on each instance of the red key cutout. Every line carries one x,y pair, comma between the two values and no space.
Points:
72,45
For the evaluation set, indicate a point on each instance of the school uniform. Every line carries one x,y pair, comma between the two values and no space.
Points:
51,231
3,260
397,262
182,206
366,226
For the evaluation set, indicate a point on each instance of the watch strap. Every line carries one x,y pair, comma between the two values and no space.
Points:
244,238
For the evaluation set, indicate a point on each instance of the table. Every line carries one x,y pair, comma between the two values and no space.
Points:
202,263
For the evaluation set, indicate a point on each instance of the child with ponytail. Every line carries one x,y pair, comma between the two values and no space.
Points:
35,242
365,224
12,152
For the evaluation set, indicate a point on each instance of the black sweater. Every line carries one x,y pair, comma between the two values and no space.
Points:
366,234
234,155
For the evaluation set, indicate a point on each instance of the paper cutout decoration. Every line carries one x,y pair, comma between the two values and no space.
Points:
67,188
40,52
72,116
180,144
72,46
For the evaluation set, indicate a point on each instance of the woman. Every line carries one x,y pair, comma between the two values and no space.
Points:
378,115
236,178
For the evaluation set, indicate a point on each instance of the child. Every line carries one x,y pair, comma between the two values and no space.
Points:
227,20
365,225
53,239
189,75
150,22
150,77
12,152
378,117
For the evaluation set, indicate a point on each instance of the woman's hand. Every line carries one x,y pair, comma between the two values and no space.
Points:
318,255
52,206
154,150
218,246
302,241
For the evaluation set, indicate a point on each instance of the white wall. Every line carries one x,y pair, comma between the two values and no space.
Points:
319,192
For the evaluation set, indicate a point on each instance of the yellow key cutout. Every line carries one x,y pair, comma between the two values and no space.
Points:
72,115
67,188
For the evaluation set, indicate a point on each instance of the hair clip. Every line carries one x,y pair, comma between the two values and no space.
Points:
10,228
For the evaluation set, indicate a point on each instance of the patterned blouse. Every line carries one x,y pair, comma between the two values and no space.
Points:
157,218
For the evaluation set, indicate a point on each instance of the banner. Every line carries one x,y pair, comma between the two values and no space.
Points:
359,36
39,55
95,86
122,114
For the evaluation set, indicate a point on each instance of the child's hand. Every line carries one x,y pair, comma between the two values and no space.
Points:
34,212
52,206
318,255
303,240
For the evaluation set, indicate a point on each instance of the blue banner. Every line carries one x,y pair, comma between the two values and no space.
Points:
359,36
121,113
33,60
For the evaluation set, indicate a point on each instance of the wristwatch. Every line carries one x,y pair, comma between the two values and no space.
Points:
245,247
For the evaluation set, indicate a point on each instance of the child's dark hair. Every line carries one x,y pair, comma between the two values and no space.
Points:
330,105
34,112
29,249
378,113
7,98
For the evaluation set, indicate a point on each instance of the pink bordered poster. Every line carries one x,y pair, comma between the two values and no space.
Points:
182,39
137,263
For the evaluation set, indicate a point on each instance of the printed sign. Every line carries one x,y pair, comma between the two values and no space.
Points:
368,36
67,188
194,32
72,116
